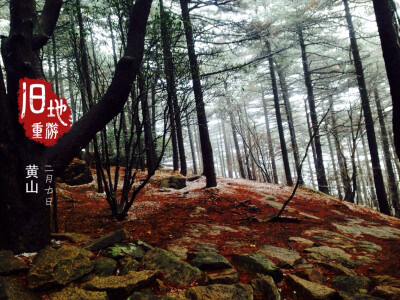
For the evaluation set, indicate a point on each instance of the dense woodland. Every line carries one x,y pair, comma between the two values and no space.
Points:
285,92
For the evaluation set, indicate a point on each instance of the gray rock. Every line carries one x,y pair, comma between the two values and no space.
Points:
175,271
128,264
77,173
12,289
301,240
55,267
386,292
74,293
179,251
205,247
108,240
118,287
384,232
338,269
173,182
313,275
363,260
329,236
105,266
286,258
325,253
257,263
210,261
265,289
220,292
352,284
310,290
125,249
10,264
368,246
226,276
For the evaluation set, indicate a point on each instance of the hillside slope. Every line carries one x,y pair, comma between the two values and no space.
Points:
326,233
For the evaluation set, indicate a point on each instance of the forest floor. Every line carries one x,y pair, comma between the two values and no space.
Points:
231,217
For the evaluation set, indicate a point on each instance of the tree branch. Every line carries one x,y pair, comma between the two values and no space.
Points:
47,23
113,100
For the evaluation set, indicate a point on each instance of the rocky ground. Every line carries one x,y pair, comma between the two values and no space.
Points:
198,243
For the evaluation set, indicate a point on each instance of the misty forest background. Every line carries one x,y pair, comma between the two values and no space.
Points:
236,88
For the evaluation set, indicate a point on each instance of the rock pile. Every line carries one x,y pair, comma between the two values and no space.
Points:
135,270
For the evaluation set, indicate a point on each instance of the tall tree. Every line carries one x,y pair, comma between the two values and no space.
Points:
171,85
369,122
387,20
237,148
269,138
343,170
319,163
191,143
288,109
391,178
206,149
279,121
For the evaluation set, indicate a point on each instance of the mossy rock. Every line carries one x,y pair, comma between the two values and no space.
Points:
74,293
105,266
128,264
58,267
10,264
176,272
12,289
77,173
119,287
173,182
257,263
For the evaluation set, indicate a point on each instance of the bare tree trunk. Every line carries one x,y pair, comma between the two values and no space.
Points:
171,85
344,174
314,155
393,192
151,157
237,148
279,121
191,145
335,172
319,163
288,109
221,150
361,179
71,93
370,179
198,147
269,138
246,153
54,48
369,122
227,151
84,62
206,149
387,20
250,144
311,172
